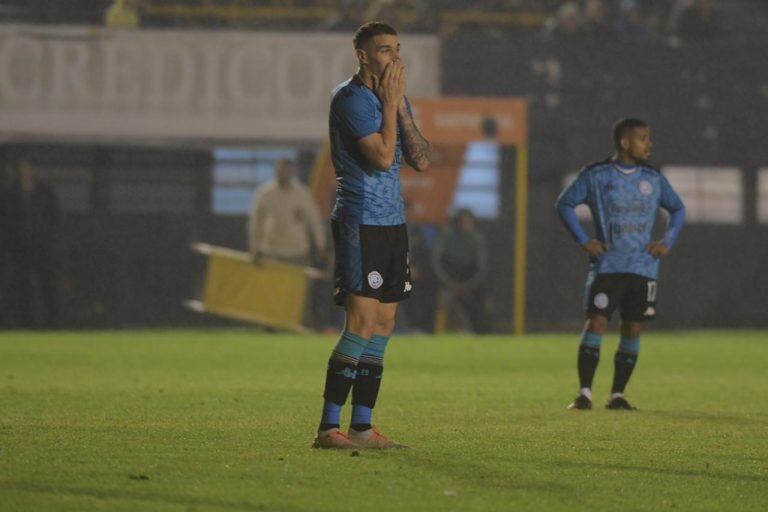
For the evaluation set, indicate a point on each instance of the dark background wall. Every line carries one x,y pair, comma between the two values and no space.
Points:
706,103
126,263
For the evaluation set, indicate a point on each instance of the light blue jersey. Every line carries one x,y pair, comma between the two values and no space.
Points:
364,195
624,203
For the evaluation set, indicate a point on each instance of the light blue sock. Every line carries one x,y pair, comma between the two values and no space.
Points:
340,376
629,345
366,389
331,413
349,348
624,363
361,415
374,351
591,339
588,358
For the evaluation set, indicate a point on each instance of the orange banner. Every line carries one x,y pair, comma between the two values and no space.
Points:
459,120
449,124
428,195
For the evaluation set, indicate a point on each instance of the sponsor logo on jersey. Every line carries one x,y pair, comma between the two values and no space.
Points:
601,301
375,280
650,311
625,209
645,188
627,229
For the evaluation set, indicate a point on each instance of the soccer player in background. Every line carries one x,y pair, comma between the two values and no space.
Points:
371,131
624,194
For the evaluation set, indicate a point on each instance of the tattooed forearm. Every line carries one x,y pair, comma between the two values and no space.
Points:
416,149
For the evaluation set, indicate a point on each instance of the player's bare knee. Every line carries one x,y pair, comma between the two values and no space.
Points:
362,327
597,324
385,326
385,319
362,323
631,329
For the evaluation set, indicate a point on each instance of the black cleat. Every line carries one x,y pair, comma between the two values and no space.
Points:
619,403
581,403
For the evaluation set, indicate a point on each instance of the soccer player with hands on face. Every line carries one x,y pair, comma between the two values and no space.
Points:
624,194
371,131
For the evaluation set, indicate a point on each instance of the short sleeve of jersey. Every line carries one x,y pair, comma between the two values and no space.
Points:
356,113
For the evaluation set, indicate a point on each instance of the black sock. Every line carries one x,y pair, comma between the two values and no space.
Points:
338,381
623,363
364,394
587,364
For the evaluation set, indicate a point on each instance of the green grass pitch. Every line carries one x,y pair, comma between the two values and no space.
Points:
223,420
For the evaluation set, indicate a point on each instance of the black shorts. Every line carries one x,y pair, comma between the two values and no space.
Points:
371,261
633,294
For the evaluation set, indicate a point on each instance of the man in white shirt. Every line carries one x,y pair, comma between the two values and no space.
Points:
283,214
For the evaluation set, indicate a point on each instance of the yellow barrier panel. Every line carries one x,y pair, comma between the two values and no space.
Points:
270,293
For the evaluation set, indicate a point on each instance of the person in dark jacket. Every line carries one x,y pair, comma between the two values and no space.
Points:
460,261
30,221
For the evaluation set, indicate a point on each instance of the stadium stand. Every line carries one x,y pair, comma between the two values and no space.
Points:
634,20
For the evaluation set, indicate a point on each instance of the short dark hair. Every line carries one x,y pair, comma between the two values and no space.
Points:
371,30
622,126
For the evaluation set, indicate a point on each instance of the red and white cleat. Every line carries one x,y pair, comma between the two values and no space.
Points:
372,439
333,438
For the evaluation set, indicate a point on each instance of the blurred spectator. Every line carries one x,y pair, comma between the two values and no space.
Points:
31,217
123,14
283,214
566,23
596,22
697,21
631,25
460,262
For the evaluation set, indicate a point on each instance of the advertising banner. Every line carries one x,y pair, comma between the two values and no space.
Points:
171,84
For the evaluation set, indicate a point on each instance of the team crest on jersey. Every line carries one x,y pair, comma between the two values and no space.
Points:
645,188
601,301
375,280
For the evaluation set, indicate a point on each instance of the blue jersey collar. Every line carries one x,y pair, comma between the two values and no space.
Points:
624,169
